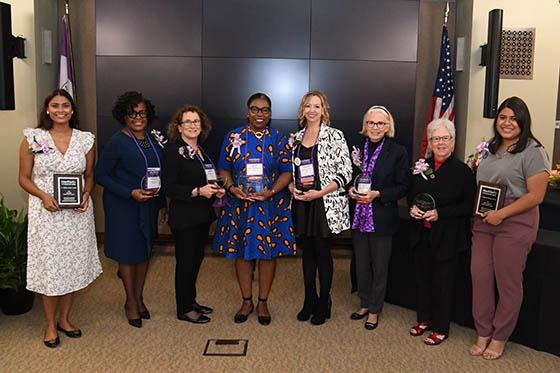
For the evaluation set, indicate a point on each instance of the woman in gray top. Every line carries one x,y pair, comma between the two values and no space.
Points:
503,238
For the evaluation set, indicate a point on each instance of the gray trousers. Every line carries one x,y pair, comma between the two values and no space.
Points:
372,266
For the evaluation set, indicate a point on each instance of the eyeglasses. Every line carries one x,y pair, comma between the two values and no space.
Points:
376,125
195,122
256,110
135,114
440,138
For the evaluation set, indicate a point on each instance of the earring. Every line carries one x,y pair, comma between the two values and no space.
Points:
48,112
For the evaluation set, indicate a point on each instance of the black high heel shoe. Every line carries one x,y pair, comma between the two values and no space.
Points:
241,317
264,320
322,314
307,311
145,315
137,323
76,333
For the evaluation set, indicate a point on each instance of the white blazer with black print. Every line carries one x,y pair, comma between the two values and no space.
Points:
334,163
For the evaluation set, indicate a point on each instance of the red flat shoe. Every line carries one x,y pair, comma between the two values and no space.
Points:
420,328
435,339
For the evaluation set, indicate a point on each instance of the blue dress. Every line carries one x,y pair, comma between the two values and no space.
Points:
256,230
130,226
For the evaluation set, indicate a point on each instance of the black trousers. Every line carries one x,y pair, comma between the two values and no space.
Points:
317,258
189,253
373,253
435,281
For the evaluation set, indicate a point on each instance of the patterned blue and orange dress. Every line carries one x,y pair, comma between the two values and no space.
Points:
256,230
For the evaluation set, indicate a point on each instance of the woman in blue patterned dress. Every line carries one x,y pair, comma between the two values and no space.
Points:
257,222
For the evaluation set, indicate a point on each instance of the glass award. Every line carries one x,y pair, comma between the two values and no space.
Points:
68,190
305,175
424,202
221,182
362,184
151,182
251,184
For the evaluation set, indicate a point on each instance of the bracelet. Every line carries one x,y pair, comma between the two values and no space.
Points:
273,191
198,191
229,187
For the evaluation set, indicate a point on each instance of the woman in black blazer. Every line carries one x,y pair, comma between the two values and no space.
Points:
381,179
439,232
190,181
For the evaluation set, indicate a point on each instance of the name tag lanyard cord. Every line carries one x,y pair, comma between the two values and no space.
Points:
202,161
142,151
297,159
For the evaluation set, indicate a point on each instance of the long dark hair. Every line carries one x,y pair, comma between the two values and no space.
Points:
45,121
523,118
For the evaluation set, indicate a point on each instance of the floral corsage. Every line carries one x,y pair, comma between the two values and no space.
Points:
40,146
294,140
236,143
161,140
422,168
187,152
482,151
357,157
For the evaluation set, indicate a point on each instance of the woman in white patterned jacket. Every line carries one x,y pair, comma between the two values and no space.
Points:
321,169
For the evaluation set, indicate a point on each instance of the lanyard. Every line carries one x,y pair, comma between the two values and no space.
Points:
314,143
368,165
142,151
205,157
262,145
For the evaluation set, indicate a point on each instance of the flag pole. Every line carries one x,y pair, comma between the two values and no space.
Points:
446,15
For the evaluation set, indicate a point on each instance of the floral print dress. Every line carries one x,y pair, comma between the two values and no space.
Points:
62,247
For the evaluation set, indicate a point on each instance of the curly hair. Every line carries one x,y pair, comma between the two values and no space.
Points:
45,121
205,124
325,116
127,102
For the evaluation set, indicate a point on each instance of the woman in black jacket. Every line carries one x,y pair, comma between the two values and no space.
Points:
190,180
442,228
381,179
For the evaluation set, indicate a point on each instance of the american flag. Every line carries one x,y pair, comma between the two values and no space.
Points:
443,99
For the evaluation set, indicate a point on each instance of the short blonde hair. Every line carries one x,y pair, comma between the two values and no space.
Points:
325,116
382,109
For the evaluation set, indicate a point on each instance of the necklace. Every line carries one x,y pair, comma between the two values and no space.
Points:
258,134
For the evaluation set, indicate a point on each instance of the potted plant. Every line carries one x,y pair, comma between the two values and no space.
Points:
15,298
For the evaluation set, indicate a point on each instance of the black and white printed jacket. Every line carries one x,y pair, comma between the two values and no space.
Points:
334,162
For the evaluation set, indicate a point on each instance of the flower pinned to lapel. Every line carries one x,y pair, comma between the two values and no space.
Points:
482,152
40,146
356,157
422,168
236,143
294,140
161,140
187,152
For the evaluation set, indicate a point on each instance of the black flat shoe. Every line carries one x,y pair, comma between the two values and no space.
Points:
318,319
304,314
137,323
358,316
201,319
205,310
145,315
264,320
371,325
241,317
77,333
52,343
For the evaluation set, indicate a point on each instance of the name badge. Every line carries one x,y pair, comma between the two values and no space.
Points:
254,168
306,171
364,185
153,179
210,172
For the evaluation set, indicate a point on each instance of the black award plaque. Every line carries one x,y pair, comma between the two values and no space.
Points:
68,190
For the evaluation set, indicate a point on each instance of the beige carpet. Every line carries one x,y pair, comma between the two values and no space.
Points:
165,344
